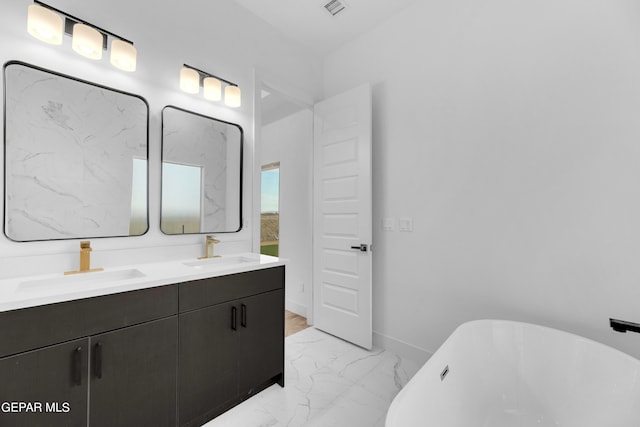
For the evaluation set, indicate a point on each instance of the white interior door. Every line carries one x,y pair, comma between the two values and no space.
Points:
342,216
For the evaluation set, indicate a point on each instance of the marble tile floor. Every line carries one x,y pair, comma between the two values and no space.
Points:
328,383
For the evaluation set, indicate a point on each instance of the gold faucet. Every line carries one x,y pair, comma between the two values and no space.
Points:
210,243
85,259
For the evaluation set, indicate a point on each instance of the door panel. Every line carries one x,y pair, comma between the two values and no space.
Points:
55,377
342,216
133,375
261,343
208,362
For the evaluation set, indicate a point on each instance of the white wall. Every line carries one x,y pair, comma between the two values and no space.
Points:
509,131
290,141
224,39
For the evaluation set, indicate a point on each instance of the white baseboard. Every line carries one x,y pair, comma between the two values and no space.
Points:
296,308
409,351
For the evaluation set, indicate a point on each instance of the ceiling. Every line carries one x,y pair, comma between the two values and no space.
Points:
308,23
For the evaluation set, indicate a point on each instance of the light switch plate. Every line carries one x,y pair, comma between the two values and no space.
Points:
405,224
388,224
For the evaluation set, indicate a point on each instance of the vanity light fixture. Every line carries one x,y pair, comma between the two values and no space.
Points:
192,78
123,55
189,80
212,88
87,41
48,24
44,24
232,96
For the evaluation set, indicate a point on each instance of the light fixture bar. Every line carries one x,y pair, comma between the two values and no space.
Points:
81,21
204,73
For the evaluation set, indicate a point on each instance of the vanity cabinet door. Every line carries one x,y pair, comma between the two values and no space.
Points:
133,375
207,363
52,380
261,351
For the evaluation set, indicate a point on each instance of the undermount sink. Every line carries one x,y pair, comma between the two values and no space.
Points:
223,261
80,280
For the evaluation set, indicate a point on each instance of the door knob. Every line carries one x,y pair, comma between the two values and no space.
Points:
362,247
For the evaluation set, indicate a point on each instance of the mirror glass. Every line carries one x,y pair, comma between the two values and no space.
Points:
201,174
75,158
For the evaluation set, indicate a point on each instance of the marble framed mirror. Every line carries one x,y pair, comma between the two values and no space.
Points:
75,157
201,174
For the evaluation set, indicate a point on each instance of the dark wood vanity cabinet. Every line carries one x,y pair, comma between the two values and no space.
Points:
171,355
125,377
129,375
229,350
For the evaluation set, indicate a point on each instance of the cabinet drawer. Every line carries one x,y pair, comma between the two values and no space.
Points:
215,290
35,327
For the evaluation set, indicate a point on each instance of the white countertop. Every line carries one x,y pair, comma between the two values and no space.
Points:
30,291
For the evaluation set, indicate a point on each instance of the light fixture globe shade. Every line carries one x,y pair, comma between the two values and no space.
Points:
232,96
44,24
87,41
212,89
123,55
189,80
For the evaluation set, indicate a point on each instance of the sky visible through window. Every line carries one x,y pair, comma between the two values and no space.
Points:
270,182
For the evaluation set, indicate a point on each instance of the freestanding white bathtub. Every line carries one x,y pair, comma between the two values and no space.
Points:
492,373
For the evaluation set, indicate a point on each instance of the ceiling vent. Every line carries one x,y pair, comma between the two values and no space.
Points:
334,7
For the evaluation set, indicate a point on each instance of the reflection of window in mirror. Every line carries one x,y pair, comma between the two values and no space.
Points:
181,198
139,224
75,157
214,147
270,209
